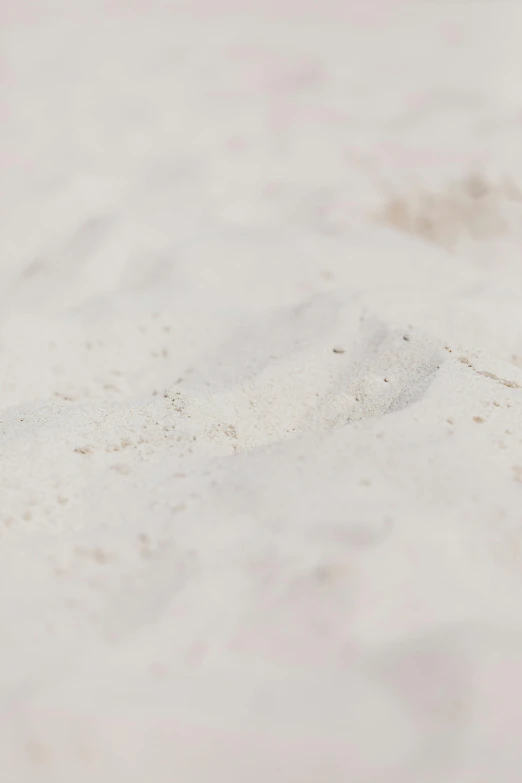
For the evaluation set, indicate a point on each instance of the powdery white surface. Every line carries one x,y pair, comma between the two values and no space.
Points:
261,422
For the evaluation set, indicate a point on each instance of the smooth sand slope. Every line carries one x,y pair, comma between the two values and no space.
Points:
261,392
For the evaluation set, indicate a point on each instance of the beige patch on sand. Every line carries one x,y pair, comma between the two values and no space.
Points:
473,208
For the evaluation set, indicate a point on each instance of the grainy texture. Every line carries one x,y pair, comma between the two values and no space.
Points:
260,391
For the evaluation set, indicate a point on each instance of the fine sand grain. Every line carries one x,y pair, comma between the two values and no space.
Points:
260,391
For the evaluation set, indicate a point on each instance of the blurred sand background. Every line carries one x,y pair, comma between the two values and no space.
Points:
260,391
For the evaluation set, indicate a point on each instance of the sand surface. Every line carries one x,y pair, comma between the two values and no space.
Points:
260,391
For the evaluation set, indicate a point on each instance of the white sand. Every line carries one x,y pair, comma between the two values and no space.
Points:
229,552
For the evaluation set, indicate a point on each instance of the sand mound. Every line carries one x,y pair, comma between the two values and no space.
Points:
260,457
